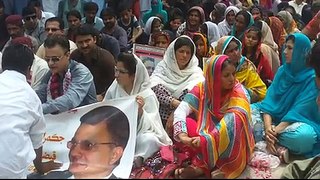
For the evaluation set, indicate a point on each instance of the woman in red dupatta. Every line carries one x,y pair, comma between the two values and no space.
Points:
213,123
251,49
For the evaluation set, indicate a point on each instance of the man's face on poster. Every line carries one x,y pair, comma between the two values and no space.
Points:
92,152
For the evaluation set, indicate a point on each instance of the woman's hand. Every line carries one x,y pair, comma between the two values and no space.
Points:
190,141
271,138
140,102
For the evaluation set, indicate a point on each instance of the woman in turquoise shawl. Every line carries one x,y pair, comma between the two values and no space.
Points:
290,103
244,20
156,10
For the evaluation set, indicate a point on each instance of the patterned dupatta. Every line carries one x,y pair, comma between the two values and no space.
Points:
223,123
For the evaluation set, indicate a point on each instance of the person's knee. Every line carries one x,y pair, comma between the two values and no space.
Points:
300,141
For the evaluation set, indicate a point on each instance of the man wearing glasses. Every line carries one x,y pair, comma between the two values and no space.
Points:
99,143
97,146
32,24
53,26
69,84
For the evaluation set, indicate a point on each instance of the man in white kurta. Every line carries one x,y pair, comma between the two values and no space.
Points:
22,125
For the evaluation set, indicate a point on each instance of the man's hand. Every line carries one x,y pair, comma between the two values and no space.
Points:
48,166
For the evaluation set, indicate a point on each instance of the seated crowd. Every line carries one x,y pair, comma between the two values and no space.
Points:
227,67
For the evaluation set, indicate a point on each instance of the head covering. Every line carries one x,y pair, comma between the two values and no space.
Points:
222,117
213,34
223,43
289,24
148,26
276,27
220,8
176,80
224,27
150,122
15,20
201,12
249,24
22,40
293,92
267,37
167,34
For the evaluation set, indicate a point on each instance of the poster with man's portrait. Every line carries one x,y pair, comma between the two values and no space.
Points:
150,55
61,128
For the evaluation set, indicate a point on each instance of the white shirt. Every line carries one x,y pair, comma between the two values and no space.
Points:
38,69
297,7
22,125
51,6
44,17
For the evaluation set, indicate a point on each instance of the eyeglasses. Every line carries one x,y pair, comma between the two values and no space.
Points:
54,59
116,70
30,17
86,145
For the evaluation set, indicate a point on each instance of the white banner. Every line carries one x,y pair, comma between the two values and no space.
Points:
61,129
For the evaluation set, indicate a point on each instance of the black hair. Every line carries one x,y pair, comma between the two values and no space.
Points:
183,41
256,29
313,60
86,29
246,16
2,4
17,57
129,62
125,7
57,39
281,6
26,11
108,12
204,29
117,123
290,37
259,9
74,13
90,6
253,57
306,14
55,19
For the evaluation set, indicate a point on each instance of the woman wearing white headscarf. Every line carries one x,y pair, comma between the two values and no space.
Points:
154,24
211,30
229,18
132,79
175,75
